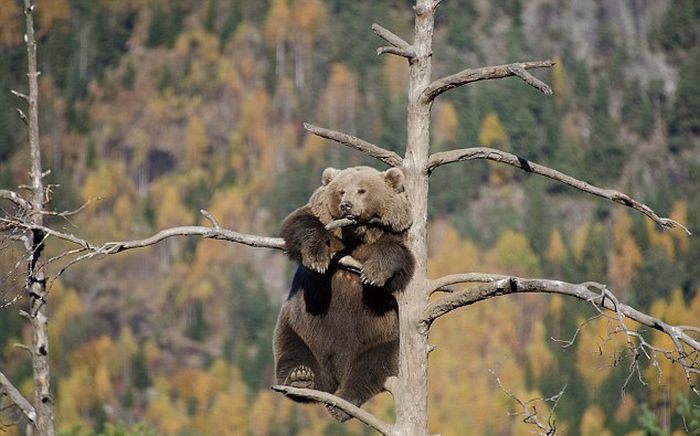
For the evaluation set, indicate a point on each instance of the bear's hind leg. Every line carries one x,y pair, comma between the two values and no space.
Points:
295,364
366,376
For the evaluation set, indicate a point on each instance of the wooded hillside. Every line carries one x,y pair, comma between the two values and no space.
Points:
153,110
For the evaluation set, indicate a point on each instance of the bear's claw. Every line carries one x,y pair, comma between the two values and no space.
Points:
372,274
316,258
301,377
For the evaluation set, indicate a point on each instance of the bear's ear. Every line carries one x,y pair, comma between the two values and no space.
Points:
394,178
328,175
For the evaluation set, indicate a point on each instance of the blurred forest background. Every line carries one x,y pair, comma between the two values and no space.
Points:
163,108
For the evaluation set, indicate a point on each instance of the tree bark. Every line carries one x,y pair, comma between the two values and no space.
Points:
36,286
411,393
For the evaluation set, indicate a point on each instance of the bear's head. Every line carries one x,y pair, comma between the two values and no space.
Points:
364,194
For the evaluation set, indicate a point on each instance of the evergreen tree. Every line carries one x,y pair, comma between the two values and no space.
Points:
604,157
679,28
637,111
686,110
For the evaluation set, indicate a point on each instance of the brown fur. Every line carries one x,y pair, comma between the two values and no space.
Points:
338,332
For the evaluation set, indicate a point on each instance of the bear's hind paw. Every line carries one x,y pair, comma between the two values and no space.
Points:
301,377
337,413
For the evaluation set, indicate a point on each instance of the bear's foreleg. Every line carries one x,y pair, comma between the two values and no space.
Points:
388,264
367,375
306,240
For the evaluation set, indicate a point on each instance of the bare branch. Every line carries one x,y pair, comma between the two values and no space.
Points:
15,198
529,411
582,291
92,250
119,246
331,400
528,78
446,157
67,213
20,95
485,73
390,37
388,157
22,116
23,348
399,51
604,299
443,283
689,328
570,342
351,264
17,398
211,218
343,222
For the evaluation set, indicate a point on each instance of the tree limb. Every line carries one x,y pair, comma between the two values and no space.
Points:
446,157
443,284
119,246
91,250
519,70
390,37
398,51
529,412
388,157
20,95
505,285
16,199
487,73
332,400
17,398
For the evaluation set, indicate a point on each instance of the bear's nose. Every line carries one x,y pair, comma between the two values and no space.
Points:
345,206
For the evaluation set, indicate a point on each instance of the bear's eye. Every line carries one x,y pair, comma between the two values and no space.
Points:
342,192
360,191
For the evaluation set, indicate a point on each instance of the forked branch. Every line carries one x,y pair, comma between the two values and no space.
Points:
17,398
592,292
15,198
388,157
398,46
528,409
446,157
505,285
332,400
488,73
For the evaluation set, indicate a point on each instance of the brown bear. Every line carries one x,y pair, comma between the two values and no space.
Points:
338,331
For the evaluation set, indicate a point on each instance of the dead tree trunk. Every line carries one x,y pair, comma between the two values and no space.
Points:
41,414
411,395
38,310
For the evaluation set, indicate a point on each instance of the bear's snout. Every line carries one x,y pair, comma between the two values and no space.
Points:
345,207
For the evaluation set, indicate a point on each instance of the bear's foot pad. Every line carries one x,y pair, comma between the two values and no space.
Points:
337,413
301,377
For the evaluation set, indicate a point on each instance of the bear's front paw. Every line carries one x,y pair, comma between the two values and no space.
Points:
316,255
301,377
337,413
374,273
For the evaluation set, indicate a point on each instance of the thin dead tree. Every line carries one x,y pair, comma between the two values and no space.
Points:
41,413
417,311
